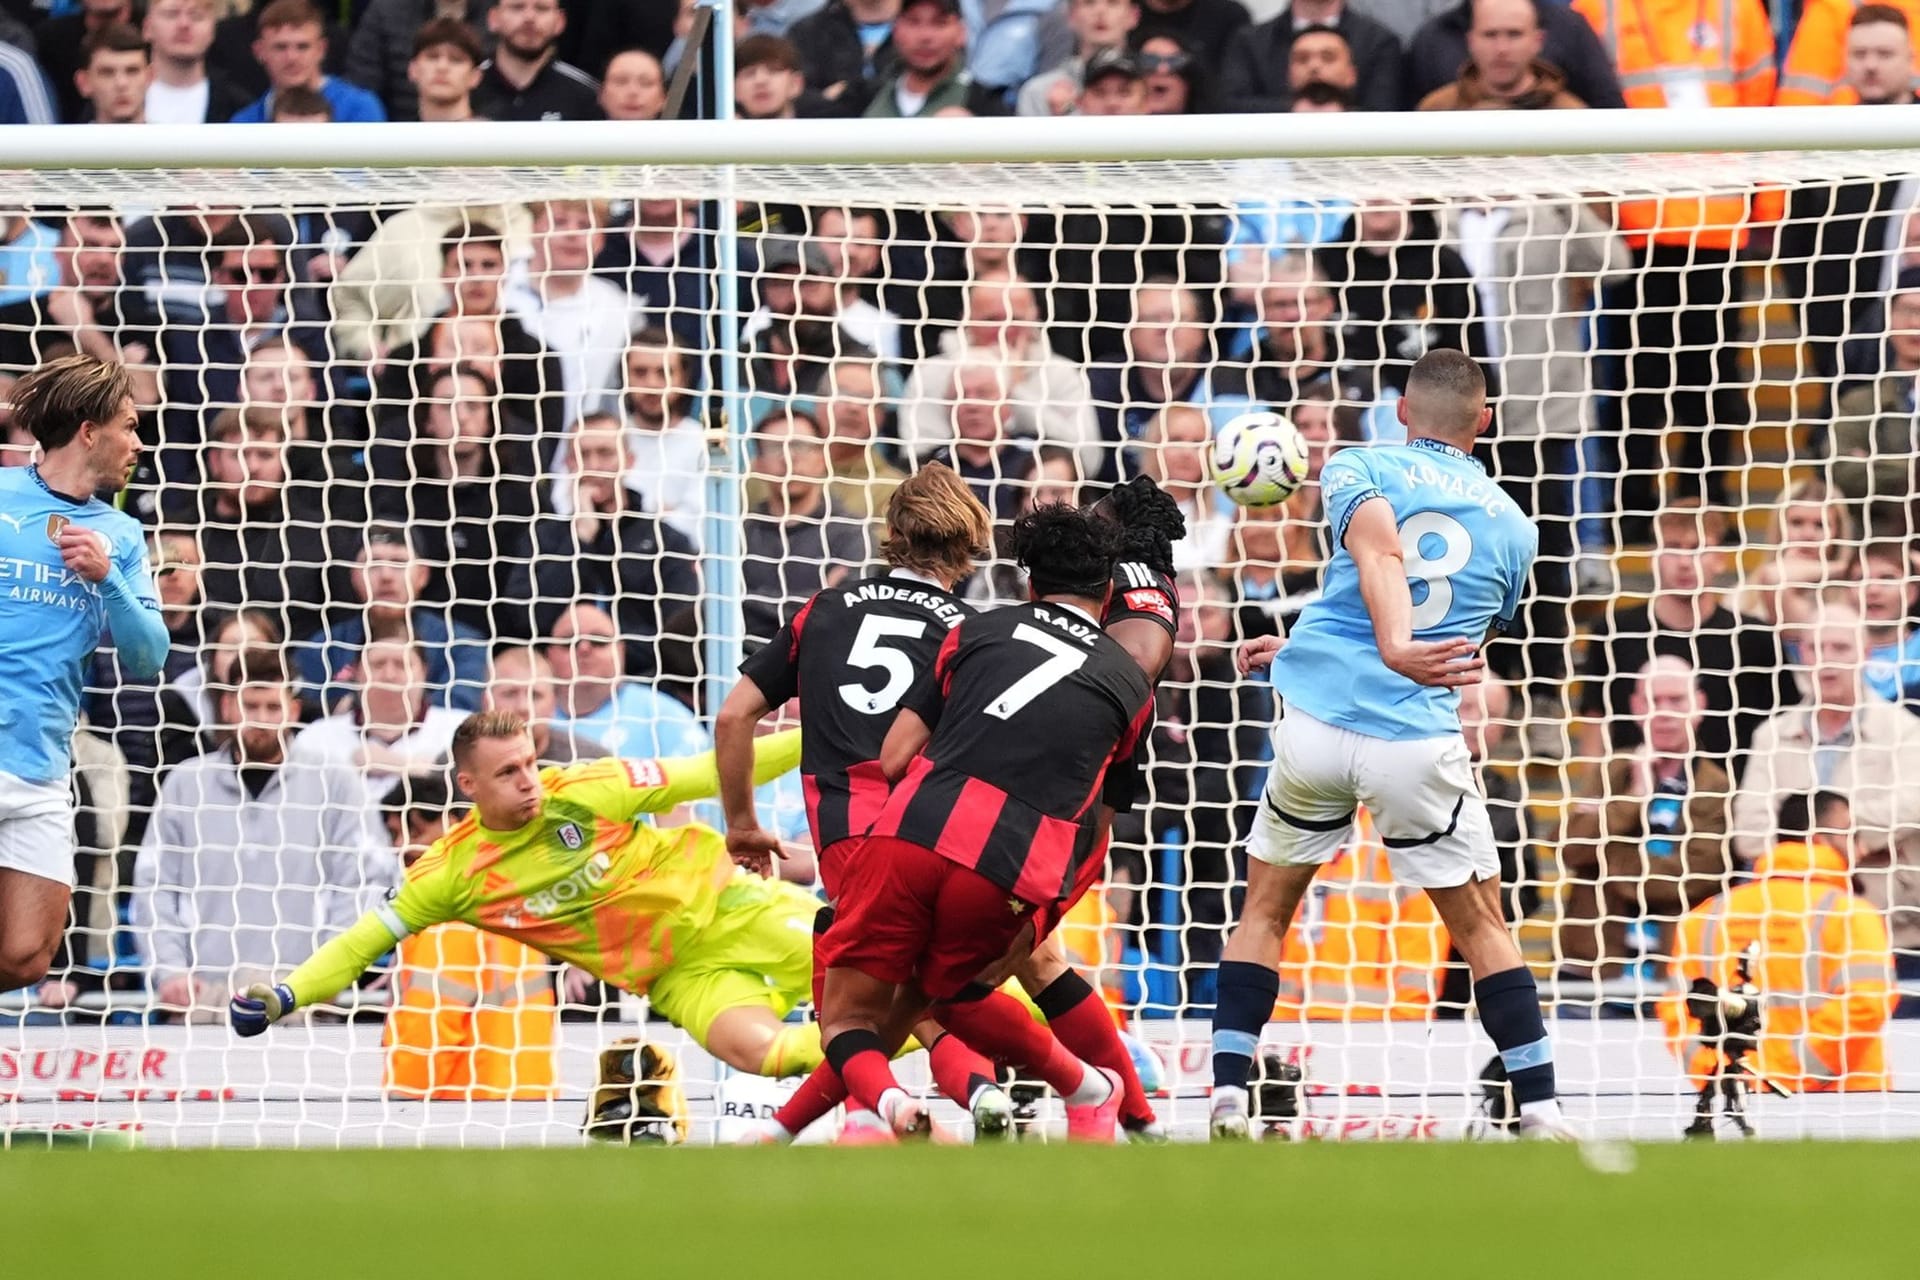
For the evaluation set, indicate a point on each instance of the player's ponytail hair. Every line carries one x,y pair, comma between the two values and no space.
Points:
936,526
54,400
481,725
1066,551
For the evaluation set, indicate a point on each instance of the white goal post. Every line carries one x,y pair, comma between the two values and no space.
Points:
373,361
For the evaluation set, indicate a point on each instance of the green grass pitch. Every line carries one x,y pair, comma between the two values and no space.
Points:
1024,1213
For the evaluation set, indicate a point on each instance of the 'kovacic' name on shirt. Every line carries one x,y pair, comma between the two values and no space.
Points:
1482,493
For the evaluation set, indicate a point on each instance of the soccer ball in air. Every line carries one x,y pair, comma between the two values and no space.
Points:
1258,459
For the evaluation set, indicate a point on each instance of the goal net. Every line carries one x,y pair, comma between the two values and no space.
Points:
571,439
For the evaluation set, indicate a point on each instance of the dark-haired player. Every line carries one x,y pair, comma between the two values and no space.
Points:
856,649
999,757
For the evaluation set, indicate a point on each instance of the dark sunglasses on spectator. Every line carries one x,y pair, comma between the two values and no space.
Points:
251,275
1152,62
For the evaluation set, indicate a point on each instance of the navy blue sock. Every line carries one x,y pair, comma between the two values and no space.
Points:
1242,1005
1510,1011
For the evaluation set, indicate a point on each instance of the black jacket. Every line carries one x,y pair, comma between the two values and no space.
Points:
641,569
1208,26
1439,50
1399,305
382,46
1253,74
274,557
830,53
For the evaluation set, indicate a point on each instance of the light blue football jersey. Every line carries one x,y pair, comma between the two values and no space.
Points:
1468,552
51,619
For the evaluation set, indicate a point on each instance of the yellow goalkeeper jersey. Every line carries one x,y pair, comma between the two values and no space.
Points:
589,881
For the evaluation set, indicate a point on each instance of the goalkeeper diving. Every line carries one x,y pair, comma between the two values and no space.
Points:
564,861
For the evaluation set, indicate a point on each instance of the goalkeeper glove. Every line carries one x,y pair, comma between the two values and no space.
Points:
259,1007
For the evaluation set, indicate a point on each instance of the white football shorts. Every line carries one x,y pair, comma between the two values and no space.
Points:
36,828
1421,793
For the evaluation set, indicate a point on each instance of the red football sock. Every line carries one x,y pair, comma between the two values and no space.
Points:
958,1071
857,1056
1002,1026
818,1094
1080,1020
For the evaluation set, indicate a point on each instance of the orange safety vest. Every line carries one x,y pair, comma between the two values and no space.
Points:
1718,51
1823,965
1361,949
1089,935
473,1018
1815,71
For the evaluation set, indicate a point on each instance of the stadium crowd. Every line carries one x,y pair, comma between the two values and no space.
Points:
412,460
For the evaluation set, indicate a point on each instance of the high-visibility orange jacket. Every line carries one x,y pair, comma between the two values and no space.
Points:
1361,949
472,1018
1681,53
1823,965
1816,66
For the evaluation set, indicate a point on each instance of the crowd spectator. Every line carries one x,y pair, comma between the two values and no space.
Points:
252,859
1889,594
1312,41
1207,27
929,42
1848,741
1505,70
667,447
184,90
1176,84
767,79
192,715
388,583
1832,244
1738,662
1652,843
1812,542
442,74
612,550
525,78
60,46
1400,290
634,86
389,729
384,53
1436,55
1096,25
1682,379
846,49
1169,359
115,73
292,46
1832,43
1875,439
464,485
598,700
261,534
394,284
1173,452
1047,394
853,409
582,318
793,542
520,683
1296,353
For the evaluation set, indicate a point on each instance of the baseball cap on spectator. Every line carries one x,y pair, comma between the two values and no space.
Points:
949,7
783,253
1111,62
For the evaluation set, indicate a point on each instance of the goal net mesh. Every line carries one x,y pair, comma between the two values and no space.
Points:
446,437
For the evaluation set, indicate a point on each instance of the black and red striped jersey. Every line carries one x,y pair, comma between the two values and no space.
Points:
851,654
1029,706
1140,591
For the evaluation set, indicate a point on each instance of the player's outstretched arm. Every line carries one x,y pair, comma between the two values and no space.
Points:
749,844
325,973
1373,540
686,778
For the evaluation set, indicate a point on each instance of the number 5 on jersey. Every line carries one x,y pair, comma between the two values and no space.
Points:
870,653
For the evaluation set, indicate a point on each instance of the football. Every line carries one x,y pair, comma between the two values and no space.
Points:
1258,459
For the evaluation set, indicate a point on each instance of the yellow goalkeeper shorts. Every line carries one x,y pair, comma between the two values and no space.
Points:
757,952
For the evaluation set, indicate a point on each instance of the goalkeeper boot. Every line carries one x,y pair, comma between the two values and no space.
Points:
993,1115
1229,1120
638,1097
1276,1092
